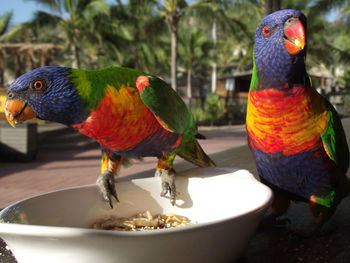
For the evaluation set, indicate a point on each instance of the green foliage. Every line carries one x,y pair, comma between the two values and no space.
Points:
194,49
140,36
135,33
215,113
5,20
236,42
345,80
74,19
213,107
236,111
199,115
213,110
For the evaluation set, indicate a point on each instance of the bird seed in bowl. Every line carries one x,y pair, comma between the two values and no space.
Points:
142,221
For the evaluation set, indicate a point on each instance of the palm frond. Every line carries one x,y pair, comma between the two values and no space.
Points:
5,20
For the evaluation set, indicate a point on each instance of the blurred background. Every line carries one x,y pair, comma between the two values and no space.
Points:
202,48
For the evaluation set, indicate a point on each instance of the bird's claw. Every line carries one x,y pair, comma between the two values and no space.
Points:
107,187
168,184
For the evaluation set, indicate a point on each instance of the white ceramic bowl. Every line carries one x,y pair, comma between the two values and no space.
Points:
227,204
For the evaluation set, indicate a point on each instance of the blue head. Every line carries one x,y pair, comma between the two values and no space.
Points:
280,49
45,93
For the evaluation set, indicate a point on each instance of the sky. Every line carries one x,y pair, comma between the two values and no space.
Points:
24,10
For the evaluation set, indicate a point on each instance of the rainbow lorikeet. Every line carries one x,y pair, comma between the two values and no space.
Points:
295,134
129,113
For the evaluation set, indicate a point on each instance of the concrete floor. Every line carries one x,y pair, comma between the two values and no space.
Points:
67,159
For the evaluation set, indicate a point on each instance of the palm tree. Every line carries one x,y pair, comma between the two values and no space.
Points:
143,34
217,14
211,12
173,10
194,50
243,17
110,37
272,6
5,20
74,17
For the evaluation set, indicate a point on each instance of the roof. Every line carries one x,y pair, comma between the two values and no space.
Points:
250,72
29,46
237,74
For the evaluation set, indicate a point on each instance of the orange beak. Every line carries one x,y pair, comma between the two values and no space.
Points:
17,110
294,37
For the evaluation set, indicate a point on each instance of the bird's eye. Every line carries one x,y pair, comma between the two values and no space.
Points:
266,31
38,85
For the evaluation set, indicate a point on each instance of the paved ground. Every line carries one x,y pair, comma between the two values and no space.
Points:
66,159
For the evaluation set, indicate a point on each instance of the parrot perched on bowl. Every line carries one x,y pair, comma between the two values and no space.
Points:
295,134
129,113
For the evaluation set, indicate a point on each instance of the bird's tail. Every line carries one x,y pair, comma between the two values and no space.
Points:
190,150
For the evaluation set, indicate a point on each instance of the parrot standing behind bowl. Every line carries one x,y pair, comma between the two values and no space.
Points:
129,113
295,135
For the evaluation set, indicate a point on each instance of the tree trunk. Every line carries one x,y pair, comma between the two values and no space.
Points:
189,87
272,6
75,49
214,65
213,77
201,93
2,69
28,62
76,57
173,59
42,56
18,64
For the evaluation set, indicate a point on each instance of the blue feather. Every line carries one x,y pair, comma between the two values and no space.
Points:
305,174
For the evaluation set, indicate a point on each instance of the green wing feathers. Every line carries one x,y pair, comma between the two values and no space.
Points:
334,139
167,106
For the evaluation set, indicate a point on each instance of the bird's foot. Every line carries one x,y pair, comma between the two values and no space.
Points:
168,183
107,187
272,221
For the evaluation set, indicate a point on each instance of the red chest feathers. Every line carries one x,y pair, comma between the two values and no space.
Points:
121,121
287,123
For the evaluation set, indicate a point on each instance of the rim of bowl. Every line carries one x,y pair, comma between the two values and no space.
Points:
16,228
